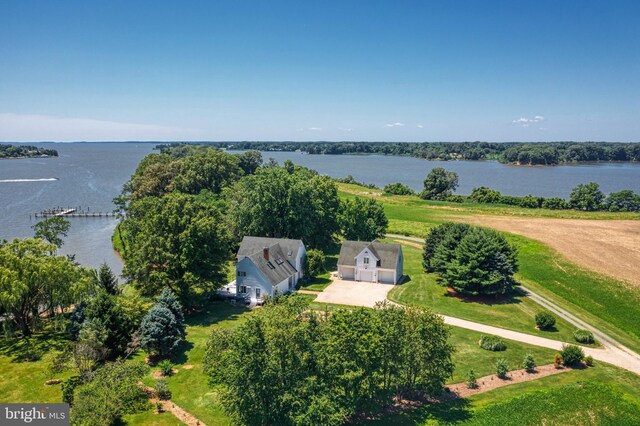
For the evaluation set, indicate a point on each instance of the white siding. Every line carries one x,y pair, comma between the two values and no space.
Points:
253,279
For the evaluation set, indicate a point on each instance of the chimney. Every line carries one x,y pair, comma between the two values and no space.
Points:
265,253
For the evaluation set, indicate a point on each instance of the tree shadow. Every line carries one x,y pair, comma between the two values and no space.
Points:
457,410
488,300
214,312
31,349
180,355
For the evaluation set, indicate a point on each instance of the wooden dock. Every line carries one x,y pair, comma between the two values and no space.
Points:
72,212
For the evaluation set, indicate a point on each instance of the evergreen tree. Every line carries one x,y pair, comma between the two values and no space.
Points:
169,300
483,263
107,279
159,331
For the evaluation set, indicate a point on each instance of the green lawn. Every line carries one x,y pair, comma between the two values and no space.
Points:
601,301
603,395
514,313
189,387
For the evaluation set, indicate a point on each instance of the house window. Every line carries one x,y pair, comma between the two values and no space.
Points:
243,289
257,293
242,274
378,263
366,260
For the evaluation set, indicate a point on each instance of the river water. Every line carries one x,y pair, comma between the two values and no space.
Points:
90,175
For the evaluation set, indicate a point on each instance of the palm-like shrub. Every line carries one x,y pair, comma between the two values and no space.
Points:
583,336
529,364
492,343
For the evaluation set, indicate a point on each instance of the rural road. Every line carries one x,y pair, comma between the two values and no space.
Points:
612,352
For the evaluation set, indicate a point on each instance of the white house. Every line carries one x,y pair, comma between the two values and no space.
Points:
370,261
267,266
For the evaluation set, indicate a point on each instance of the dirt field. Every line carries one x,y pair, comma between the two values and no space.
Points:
610,247
354,293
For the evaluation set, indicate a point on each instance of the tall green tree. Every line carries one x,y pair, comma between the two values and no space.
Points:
435,239
439,184
276,203
586,196
169,300
250,161
34,280
52,230
362,219
175,241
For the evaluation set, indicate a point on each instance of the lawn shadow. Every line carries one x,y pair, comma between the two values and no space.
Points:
406,279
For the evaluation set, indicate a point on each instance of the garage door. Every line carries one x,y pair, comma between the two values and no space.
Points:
366,276
347,273
387,277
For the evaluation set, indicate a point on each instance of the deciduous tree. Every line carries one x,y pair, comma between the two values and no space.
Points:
439,184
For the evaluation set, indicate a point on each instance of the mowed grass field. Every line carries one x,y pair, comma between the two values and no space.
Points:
604,302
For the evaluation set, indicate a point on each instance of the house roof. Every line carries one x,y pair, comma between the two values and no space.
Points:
251,245
386,253
281,251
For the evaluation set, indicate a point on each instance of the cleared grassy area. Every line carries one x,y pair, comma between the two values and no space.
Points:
514,313
22,380
150,417
604,302
190,386
472,208
603,395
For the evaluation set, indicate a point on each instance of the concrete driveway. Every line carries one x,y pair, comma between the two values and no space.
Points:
354,293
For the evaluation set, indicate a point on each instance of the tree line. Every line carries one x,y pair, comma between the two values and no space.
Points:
288,365
539,153
19,151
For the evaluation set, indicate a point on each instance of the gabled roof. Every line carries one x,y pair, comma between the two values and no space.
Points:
251,245
387,253
278,268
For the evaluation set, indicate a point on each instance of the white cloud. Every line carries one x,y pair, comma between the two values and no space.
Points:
526,122
315,129
34,128
419,126
396,124
345,130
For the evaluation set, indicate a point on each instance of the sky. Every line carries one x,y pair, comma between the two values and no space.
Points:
370,70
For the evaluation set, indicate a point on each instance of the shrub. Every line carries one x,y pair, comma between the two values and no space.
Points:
545,320
68,387
557,360
398,189
492,343
166,367
589,361
162,389
572,355
471,380
529,364
502,368
314,264
160,332
583,336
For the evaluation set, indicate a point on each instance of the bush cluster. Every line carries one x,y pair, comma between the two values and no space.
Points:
545,320
398,189
583,336
492,343
586,197
162,389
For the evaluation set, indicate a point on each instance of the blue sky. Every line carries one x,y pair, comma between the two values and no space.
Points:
320,70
